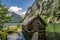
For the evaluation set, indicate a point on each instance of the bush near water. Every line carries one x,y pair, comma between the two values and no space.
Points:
5,31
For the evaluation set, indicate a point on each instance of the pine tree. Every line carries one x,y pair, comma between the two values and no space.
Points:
4,17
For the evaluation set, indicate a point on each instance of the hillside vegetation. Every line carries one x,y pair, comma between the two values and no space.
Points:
49,10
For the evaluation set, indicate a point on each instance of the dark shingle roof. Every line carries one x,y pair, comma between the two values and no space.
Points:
27,21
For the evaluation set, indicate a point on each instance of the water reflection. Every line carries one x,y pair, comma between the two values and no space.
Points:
15,36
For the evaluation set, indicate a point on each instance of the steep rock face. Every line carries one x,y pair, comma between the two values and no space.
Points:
49,10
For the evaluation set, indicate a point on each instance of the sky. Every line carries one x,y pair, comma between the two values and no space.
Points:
18,6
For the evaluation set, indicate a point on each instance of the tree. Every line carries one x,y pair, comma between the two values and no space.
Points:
4,17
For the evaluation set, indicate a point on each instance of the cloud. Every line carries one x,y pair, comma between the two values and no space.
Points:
17,10
14,8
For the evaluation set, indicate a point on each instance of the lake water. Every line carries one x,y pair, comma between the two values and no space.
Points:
9,24
15,36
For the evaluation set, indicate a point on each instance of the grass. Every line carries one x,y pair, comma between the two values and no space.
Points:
53,32
53,28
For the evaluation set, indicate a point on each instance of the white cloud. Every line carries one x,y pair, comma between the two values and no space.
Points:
17,10
14,9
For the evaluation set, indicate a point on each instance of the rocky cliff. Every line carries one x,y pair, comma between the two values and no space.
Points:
49,10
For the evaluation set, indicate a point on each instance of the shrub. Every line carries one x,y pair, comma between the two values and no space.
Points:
3,34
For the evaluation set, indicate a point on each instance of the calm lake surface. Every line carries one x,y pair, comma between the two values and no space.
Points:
15,36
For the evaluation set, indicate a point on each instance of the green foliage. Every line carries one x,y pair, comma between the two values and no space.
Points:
50,28
53,32
3,35
4,31
3,15
12,28
18,25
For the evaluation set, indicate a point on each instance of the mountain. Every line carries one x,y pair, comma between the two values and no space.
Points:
49,10
15,18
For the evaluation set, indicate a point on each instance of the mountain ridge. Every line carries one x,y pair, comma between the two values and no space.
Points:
15,18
